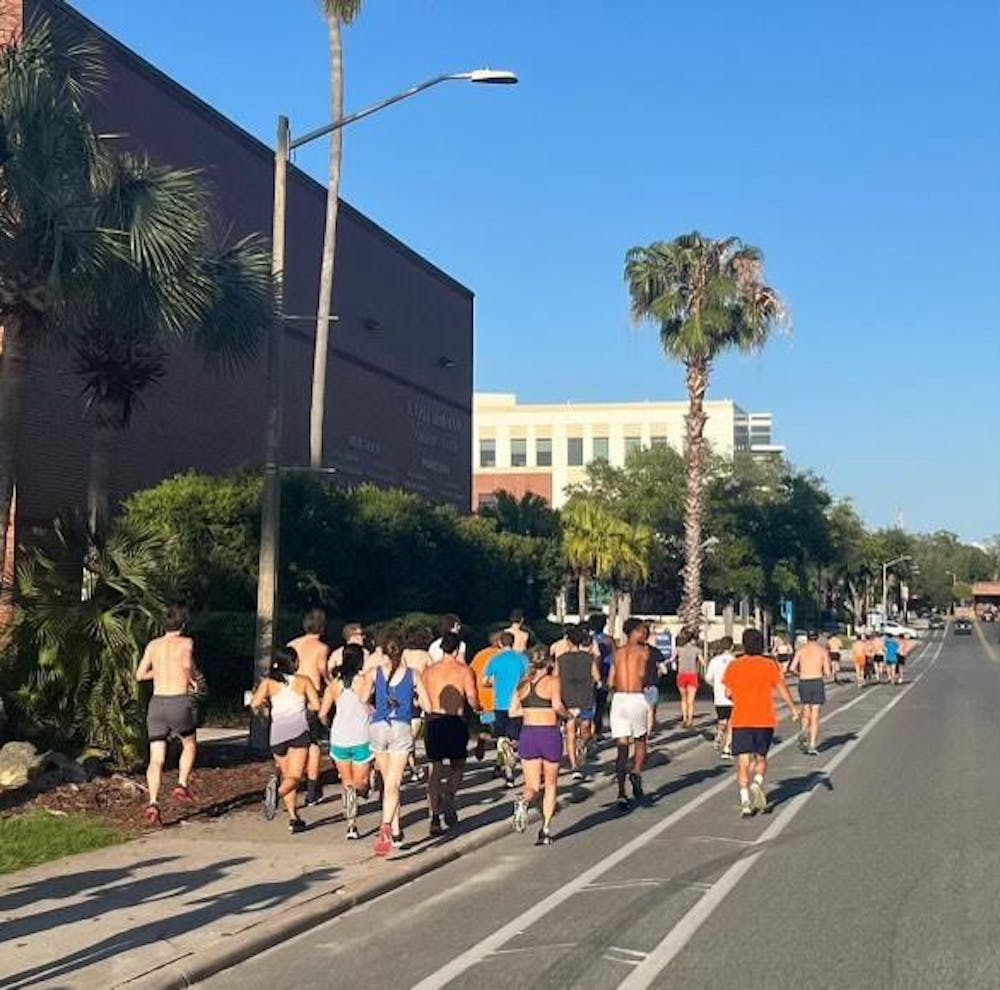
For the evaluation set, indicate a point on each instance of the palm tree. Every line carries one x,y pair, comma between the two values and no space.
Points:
531,515
337,14
706,296
219,298
48,160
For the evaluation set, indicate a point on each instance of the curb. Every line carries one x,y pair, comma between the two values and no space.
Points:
234,949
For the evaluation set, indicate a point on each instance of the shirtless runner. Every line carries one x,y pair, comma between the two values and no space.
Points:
450,686
812,664
314,655
629,709
519,631
169,663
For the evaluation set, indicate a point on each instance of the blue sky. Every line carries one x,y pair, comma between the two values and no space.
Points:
855,143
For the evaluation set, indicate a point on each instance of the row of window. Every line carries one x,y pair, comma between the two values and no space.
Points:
543,450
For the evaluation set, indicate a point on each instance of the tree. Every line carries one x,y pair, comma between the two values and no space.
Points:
706,297
218,297
337,14
48,159
530,515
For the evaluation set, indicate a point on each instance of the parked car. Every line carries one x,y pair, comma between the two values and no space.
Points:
963,627
892,628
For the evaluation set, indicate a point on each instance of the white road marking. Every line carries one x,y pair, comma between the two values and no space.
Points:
720,838
487,946
628,952
682,933
535,948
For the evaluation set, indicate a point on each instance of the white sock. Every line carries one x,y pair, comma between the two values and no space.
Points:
758,779
744,795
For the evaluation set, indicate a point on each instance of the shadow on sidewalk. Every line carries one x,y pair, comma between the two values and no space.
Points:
251,898
55,888
159,886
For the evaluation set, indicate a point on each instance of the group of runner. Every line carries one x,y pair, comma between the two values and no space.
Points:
880,658
368,704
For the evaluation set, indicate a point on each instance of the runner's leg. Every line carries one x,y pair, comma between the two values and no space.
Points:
551,771
189,750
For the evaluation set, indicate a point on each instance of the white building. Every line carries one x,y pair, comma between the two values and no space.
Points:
545,447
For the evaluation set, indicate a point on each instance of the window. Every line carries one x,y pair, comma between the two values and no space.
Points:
574,451
519,452
632,444
543,452
660,441
487,453
601,450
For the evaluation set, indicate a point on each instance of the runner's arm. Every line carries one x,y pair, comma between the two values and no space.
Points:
423,695
260,696
827,664
516,709
329,701
312,696
144,672
793,667
471,692
786,697
557,702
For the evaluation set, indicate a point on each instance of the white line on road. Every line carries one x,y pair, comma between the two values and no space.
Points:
491,943
679,936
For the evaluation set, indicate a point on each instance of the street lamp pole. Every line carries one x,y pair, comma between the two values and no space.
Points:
270,517
885,578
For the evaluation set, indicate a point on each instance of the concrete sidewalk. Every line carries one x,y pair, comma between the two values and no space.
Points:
177,905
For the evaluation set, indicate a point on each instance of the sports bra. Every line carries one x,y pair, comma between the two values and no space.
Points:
533,699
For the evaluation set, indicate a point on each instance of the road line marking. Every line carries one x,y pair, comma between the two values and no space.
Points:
628,952
487,946
682,933
535,948
720,838
620,961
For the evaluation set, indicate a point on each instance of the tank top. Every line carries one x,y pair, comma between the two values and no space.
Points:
393,702
288,714
350,720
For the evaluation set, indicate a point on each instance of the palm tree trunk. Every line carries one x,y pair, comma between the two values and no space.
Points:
697,384
324,307
103,447
613,613
7,576
13,380
581,593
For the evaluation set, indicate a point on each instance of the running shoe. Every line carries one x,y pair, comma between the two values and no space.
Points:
480,748
508,779
520,821
314,795
757,797
544,837
745,810
416,775
801,742
636,781
503,753
623,804
350,803
383,844
271,797
353,833
152,815
397,840
450,815
578,775
812,751
727,754
296,826
436,828
182,794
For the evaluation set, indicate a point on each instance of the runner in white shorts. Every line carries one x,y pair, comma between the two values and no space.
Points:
629,718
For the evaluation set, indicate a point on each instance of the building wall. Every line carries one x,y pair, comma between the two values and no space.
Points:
395,414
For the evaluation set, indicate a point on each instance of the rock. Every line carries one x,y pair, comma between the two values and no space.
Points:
19,764
70,771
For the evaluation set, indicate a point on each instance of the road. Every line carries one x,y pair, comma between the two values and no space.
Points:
877,866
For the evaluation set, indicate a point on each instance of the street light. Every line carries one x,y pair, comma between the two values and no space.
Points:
270,517
885,578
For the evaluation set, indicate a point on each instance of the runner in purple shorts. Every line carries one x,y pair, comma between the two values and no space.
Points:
538,699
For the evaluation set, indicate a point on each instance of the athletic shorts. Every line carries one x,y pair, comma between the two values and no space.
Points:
360,754
447,738
753,741
302,741
652,695
835,659
687,680
505,727
318,732
812,691
723,712
582,714
390,737
629,717
901,661
541,742
171,715
878,658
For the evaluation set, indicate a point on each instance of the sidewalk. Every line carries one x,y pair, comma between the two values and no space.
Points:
177,905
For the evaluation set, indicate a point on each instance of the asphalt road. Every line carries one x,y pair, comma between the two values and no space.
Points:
877,866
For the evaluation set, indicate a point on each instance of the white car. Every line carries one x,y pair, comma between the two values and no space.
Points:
898,629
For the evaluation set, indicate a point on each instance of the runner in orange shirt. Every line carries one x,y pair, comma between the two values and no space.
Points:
479,664
752,681
860,655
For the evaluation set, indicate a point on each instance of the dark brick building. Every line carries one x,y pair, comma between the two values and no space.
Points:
400,376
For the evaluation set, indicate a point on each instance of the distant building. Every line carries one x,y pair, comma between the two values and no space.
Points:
399,385
545,447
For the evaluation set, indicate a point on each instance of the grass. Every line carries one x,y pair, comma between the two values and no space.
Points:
38,837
